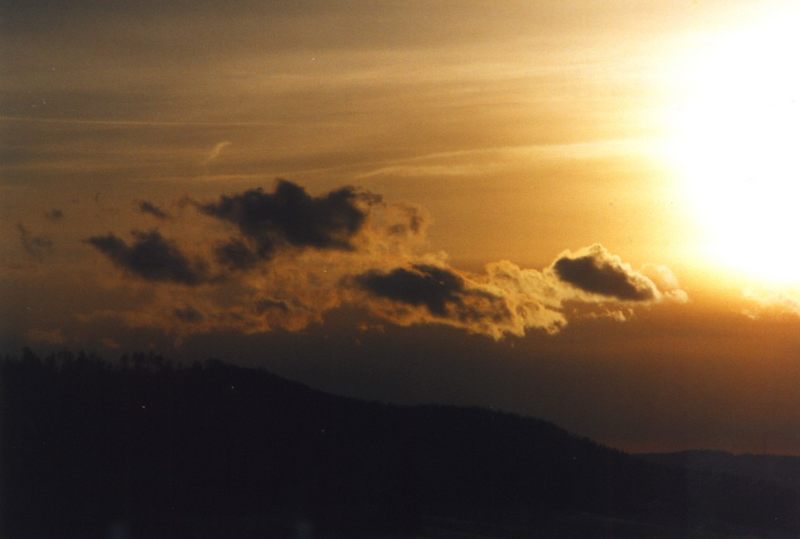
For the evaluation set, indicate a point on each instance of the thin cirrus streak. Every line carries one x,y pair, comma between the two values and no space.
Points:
135,123
216,151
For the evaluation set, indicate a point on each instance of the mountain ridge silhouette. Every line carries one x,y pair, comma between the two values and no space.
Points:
164,450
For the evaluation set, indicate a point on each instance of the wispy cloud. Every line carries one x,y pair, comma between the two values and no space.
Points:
149,208
54,215
133,123
37,247
216,151
769,300
489,160
46,336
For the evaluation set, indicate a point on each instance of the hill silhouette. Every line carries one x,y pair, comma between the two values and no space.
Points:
143,448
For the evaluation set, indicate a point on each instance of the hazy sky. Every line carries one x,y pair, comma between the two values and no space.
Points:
578,210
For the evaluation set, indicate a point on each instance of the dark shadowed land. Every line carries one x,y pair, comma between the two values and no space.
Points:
144,448
778,469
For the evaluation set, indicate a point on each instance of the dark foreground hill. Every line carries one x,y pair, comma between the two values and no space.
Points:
144,449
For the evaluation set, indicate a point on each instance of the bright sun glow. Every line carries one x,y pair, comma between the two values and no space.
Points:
737,146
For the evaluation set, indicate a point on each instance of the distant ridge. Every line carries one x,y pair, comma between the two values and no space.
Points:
781,470
213,450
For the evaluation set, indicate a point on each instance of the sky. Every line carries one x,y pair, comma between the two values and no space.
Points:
581,211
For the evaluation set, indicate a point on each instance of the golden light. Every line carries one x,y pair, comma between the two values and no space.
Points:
736,142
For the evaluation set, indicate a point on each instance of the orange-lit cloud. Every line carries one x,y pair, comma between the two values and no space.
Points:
766,301
284,258
46,336
507,299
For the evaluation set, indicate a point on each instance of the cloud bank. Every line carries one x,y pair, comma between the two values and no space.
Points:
283,258
509,300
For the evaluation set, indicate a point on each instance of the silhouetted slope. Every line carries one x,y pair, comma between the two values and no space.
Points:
162,450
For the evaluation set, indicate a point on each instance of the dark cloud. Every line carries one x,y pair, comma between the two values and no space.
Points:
36,246
54,215
412,222
492,304
151,257
152,209
188,314
350,249
268,304
237,255
509,300
421,285
597,271
289,216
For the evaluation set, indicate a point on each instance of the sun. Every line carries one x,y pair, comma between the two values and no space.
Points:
736,143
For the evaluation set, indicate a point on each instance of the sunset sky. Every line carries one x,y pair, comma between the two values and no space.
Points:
581,211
